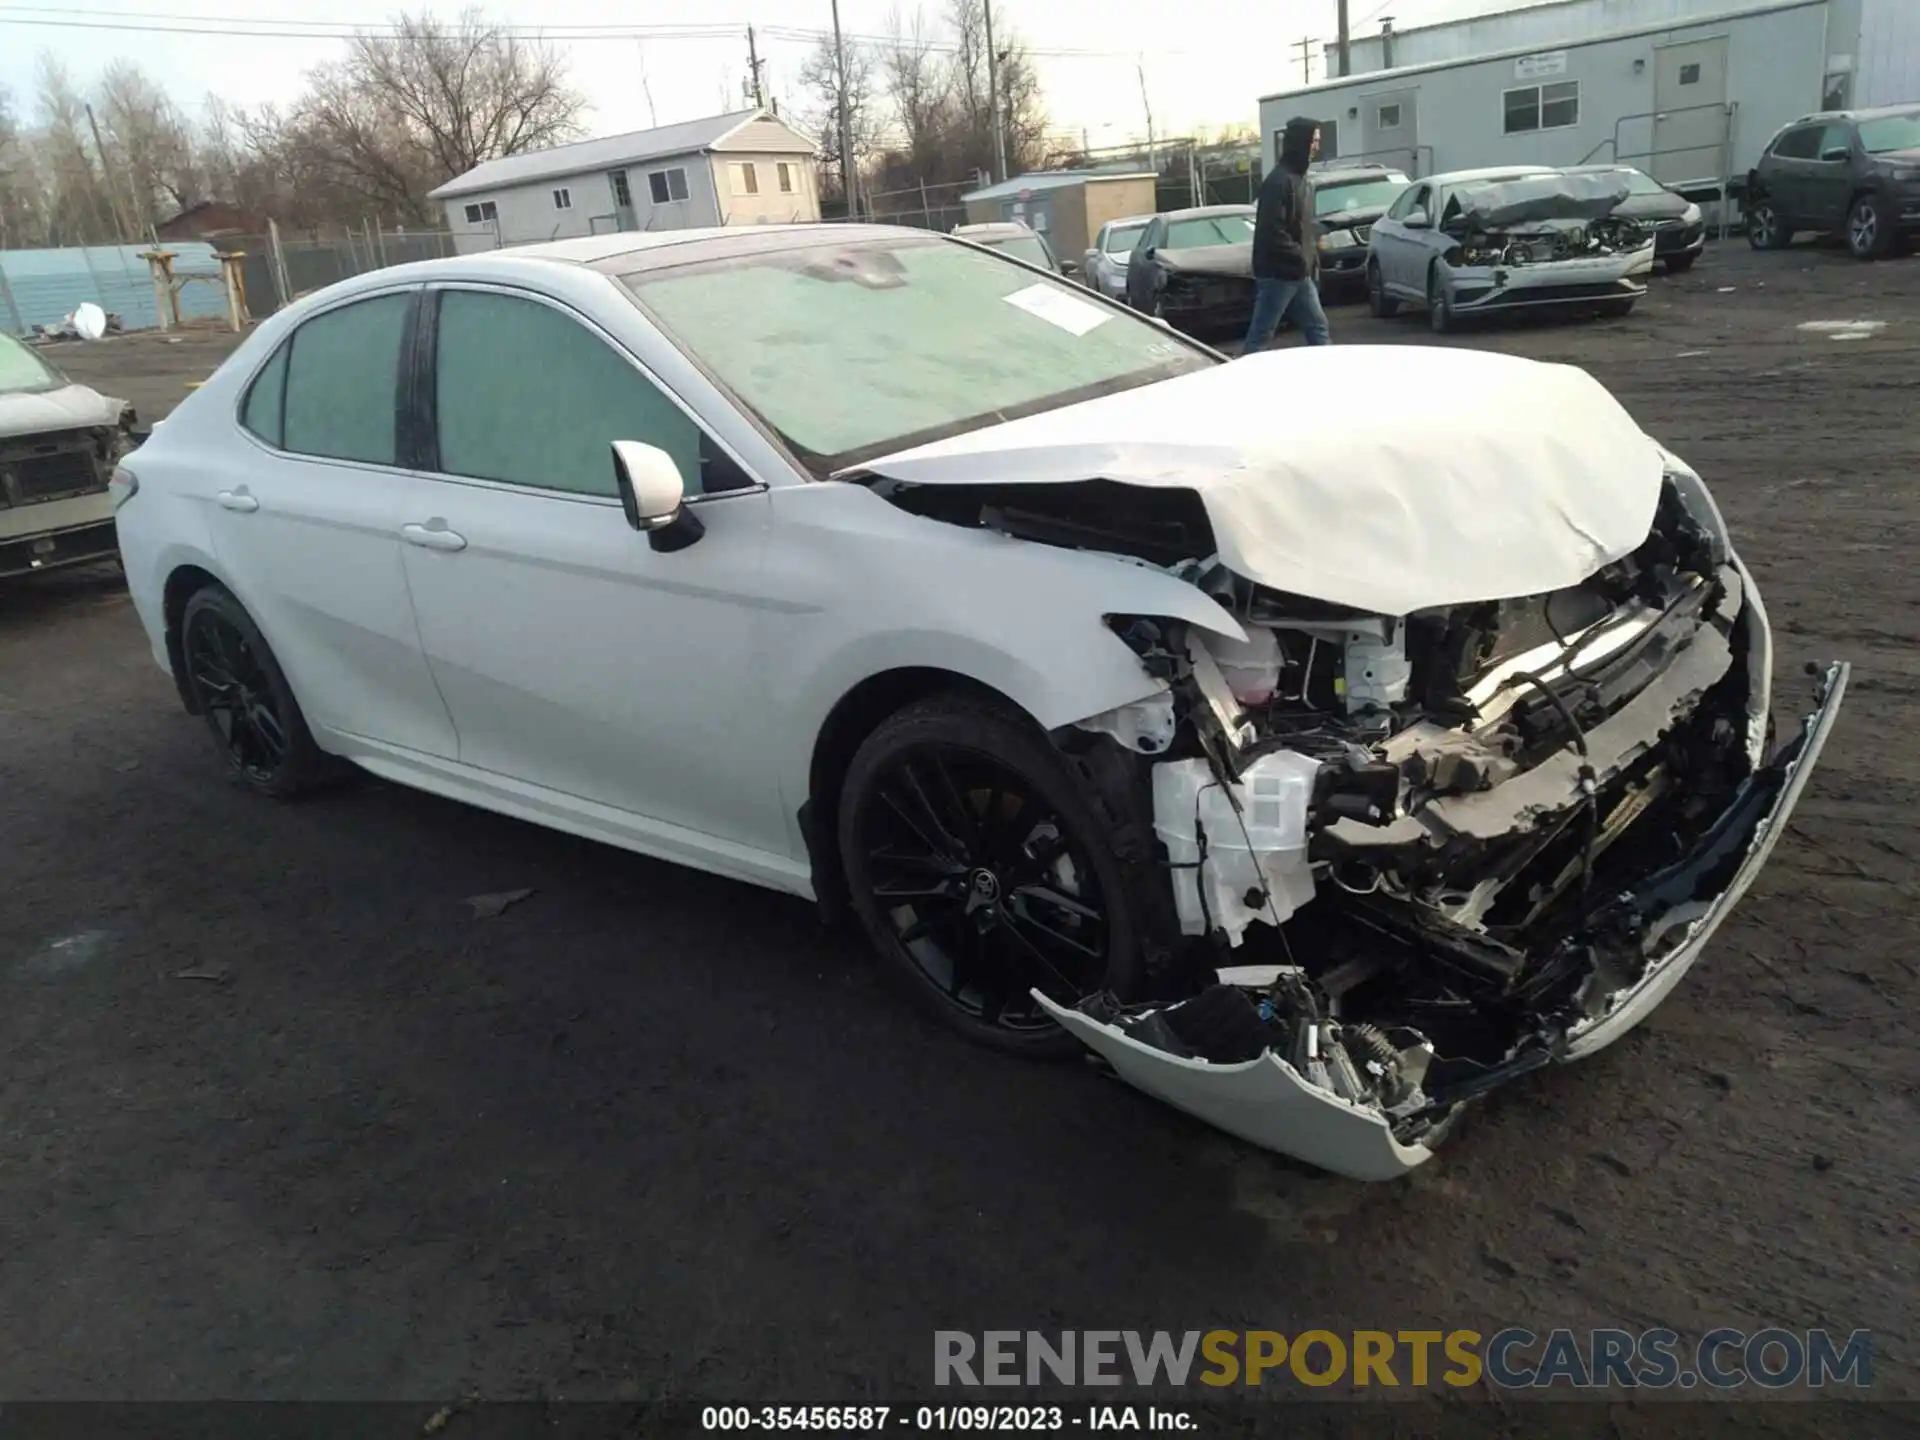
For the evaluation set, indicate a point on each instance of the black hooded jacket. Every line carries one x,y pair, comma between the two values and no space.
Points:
1279,223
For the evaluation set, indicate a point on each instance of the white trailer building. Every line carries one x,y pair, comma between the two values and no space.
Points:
746,168
1688,90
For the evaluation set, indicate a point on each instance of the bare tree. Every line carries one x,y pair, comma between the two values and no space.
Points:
22,221
149,151
820,78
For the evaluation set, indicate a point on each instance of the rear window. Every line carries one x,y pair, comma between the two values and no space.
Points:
1210,230
1024,247
1357,195
342,382
1121,239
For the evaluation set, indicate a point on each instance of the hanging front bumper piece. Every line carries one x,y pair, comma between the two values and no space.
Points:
1263,1056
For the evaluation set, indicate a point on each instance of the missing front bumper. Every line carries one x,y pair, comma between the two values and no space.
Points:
1268,1102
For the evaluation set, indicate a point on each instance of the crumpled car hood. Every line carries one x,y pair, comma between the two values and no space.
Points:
1209,260
1384,478
1539,198
71,407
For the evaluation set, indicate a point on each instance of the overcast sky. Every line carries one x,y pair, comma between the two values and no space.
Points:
1206,62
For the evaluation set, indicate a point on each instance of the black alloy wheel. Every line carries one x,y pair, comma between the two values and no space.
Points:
1439,302
1766,229
238,688
980,871
1381,304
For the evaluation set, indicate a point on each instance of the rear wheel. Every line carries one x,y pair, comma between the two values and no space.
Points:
1440,317
1379,302
1767,227
980,871
240,691
1870,230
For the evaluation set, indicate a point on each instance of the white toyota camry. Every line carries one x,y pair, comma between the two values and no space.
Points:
1323,738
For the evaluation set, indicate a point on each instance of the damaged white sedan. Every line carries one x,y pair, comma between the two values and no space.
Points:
1076,662
1479,242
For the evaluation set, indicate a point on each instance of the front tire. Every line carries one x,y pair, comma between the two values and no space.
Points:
1380,304
1440,317
1680,264
980,870
1767,227
241,692
1616,309
1870,230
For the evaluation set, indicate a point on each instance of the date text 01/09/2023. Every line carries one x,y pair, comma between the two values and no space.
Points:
845,1418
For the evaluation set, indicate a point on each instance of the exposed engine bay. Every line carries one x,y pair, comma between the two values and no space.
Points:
1543,220
1468,840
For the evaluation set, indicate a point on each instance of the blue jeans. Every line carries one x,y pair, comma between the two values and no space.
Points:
1295,300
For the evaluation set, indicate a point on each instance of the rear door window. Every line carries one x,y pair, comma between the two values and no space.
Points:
342,382
262,412
1800,144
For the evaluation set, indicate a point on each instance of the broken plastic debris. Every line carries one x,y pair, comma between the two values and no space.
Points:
1689,354
489,907
1844,329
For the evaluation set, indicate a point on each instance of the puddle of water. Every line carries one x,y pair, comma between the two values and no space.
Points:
69,953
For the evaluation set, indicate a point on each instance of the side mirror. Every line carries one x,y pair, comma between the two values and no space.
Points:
1069,267
1838,154
1416,220
653,495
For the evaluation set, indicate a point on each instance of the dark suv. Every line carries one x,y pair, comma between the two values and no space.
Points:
1855,172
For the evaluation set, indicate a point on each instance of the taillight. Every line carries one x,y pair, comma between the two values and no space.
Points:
123,485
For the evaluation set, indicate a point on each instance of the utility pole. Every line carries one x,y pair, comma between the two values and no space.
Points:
1153,163
1343,37
754,62
993,96
1303,45
127,231
840,88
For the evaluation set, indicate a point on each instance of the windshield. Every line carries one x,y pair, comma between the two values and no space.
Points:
1891,132
21,370
1192,234
1639,183
1358,195
850,350
1023,247
1120,239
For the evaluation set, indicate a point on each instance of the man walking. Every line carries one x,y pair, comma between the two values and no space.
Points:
1286,257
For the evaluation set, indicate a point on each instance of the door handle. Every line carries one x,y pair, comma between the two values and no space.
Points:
433,538
238,500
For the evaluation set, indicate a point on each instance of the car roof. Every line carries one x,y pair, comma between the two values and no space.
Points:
1125,220
1204,212
1878,112
1356,172
1491,172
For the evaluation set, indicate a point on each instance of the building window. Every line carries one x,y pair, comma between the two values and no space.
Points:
485,213
563,199
1387,117
746,180
667,185
1542,107
1689,74
622,196
786,177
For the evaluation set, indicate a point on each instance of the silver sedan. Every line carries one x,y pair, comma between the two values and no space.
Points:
1105,266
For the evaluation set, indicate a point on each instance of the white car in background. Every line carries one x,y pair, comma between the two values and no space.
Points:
1104,266
58,445
876,568
1478,242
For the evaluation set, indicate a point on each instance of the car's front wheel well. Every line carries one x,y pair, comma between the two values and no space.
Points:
860,712
180,588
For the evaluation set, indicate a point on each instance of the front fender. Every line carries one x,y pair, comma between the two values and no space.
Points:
868,588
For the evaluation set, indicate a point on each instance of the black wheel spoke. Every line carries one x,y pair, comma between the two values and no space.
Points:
925,925
949,792
266,725
1022,916
1038,956
231,685
1049,896
949,842
937,842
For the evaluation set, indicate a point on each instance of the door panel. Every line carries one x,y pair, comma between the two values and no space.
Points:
1828,184
572,654
1688,140
311,545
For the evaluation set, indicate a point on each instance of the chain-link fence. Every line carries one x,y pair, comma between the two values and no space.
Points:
275,276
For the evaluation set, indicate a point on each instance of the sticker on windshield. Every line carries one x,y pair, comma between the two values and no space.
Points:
1056,307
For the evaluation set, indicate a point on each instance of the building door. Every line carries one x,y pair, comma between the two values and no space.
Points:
1690,111
1389,129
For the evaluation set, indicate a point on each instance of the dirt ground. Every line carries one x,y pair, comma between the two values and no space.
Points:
279,1119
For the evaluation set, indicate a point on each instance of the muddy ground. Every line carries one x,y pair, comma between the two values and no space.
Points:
278,1118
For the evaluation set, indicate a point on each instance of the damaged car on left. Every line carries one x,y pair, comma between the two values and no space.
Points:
1320,771
59,443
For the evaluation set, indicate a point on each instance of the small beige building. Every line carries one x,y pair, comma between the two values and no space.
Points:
1066,206
746,168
